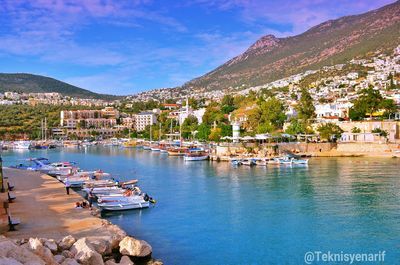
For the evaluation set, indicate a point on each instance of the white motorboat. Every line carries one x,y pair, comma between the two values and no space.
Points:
128,203
24,145
299,161
105,190
249,162
285,160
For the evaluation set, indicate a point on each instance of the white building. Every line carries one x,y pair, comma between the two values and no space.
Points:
144,119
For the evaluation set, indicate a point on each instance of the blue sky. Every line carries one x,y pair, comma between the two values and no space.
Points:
126,46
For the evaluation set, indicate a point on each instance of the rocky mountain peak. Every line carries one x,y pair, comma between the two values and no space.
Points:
267,41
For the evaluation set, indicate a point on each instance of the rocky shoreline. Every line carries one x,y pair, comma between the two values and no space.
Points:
56,233
116,248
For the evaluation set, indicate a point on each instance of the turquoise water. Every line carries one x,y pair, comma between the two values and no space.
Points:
211,213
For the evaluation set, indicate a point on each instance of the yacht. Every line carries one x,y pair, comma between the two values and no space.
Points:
196,155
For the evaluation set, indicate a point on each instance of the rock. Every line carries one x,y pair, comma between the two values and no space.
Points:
67,242
154,262
21,254
110,262
85,253
125,260
116,234
69,261
59,258
52,245
134,247
35,245
101,245
67,254
9,261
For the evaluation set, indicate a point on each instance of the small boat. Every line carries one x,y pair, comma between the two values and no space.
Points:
285,160
196,155
146,147
129,203
261,162
236,162
176,151
129,144
249,162
105,190
299,161
22,145
37,164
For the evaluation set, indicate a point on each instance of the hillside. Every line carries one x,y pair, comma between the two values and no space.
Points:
29,83
332,42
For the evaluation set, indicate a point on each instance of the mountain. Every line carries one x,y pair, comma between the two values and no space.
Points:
29,83
332,42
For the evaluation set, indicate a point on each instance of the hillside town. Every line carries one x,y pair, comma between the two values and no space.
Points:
333,91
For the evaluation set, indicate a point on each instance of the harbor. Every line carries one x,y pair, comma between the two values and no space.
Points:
351,199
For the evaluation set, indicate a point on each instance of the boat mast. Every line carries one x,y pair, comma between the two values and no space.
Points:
159,134
151,125
45,129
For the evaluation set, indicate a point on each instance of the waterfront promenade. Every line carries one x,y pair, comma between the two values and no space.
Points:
45,210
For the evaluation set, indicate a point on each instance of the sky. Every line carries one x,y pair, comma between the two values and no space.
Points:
123,47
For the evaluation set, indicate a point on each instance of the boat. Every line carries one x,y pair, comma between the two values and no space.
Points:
22,145
261,162
196,155
248,162
128,203
176,151
299,161
105,190
37,164
284,160
129,144
236,162
155,148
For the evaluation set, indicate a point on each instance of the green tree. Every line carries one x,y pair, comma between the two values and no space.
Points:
203,132
356,130
330,131
380,131
305,107
368,102
295,127
215,135
272,114
189,125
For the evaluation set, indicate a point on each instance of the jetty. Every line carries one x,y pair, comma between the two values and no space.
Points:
53,231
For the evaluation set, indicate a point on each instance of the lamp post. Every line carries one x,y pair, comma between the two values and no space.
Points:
1,175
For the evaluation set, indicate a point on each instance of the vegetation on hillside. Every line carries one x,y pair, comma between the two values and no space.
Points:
28,83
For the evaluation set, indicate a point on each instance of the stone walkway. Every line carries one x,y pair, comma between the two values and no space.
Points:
45,210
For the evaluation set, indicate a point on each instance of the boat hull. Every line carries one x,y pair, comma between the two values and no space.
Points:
123,206
195,158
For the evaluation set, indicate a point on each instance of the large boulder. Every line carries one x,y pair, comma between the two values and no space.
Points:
125,260
9,261
116,234
133,247
101,245
35,245
9,249
59,258
110,262
67,242
85,253
67,254
69,261
51,244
